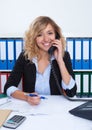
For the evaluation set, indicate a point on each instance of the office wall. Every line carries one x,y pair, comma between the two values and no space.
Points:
74,16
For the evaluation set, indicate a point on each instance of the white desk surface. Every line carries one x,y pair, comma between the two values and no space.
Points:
50,114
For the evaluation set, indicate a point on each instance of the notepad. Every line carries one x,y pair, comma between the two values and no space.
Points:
3,115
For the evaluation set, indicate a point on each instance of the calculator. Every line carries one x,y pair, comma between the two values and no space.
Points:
14,121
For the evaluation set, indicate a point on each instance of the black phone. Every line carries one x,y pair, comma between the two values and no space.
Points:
53,48
50,51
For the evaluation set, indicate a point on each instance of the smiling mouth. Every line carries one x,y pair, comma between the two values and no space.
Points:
47,44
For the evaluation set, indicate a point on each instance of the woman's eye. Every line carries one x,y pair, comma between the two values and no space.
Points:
39,35
50,33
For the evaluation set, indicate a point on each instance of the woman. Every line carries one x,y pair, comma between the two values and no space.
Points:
42,73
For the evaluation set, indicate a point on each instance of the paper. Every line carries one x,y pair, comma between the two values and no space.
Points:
4,101
3,116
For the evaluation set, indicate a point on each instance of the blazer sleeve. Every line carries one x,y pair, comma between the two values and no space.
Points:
68,65
16,73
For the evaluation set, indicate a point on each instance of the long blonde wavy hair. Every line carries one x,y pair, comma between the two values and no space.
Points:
30,49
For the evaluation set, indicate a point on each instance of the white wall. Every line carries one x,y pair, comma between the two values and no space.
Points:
73,16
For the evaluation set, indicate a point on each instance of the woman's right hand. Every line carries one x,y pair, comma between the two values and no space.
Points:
33,100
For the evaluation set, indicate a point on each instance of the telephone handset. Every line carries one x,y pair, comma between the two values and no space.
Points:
50,51
53,48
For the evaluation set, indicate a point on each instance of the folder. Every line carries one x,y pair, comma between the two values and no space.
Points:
0,83
78,83
90,84
70,48
85,59
3,79
2,95
90,53
78,54
4,113
3,51
11,53
85,84
18,47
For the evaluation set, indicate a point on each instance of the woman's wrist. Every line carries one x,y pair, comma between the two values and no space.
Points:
26,96
61,62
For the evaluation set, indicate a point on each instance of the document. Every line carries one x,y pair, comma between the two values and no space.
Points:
3,115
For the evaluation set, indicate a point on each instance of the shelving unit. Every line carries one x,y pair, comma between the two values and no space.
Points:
83,73
10,49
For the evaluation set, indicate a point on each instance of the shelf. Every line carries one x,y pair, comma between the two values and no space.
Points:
5,70
82,70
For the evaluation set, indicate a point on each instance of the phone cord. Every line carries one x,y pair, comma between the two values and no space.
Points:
55,77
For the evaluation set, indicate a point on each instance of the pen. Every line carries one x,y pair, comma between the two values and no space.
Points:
5,103
33,95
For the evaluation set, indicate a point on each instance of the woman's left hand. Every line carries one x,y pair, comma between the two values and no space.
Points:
58,52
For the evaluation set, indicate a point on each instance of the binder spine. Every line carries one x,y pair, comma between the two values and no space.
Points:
3,81
3,55
85,84
77,76
71,49
90,53
0,83
85,54
78,53
10,54
91,83
18,47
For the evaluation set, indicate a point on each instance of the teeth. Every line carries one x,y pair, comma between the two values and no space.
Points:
46,44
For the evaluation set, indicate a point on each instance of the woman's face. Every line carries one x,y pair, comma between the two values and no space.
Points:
45,38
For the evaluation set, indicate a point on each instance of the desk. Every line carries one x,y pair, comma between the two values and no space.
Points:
50,114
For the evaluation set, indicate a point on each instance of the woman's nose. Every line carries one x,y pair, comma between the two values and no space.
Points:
46,38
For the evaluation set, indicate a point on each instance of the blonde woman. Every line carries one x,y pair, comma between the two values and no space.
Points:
43,73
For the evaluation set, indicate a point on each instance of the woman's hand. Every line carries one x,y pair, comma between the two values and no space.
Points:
58,52
33,100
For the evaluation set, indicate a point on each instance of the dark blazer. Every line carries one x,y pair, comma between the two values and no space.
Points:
24,68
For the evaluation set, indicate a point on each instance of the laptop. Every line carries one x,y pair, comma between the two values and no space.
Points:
83,111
